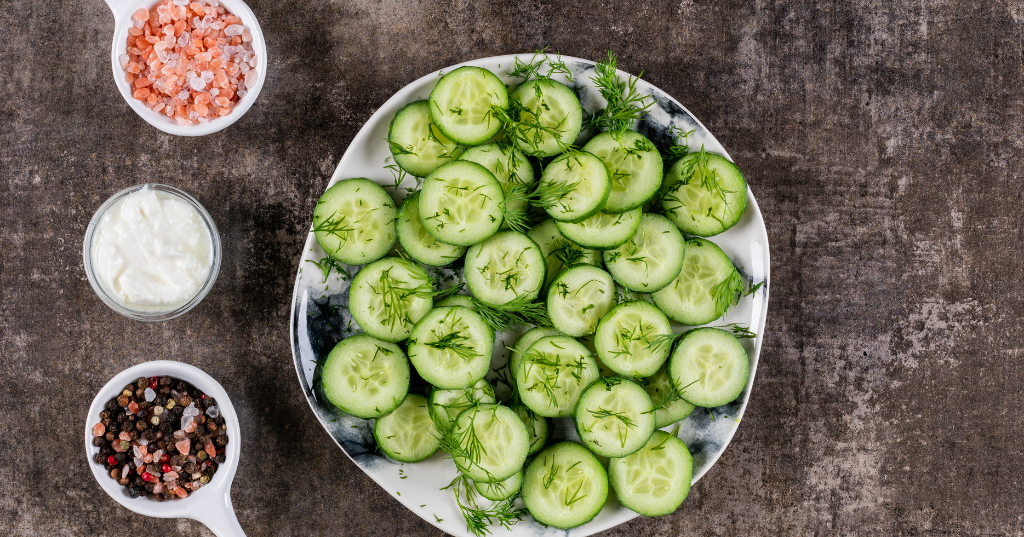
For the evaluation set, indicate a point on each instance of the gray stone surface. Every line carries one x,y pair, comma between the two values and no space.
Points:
881,139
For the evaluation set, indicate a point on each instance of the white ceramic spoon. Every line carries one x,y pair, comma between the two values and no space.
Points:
211,504
123,10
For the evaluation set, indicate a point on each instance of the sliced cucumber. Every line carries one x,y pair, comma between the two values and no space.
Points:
502,490
690,298
554,372
655,480
465,301
451,347
670,407
709,367
531,336
559,251
446,405
460,203
417,145
354,221
504,267
565,486
635,166
407,434
417,242
366,377
537,426
578,298
462,103
389,296
614,417
704,194
603,230
650,259
511,168
548,117
632,339
493,442
574,187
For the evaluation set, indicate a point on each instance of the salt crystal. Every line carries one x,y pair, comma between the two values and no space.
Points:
124,472
183,96
246,36
181,2
207,20
150,394
137,451
140,24
233,30
179,434
184,39
138,462
250,80
241,93
197,83
158,488
214,92
207,76
143,442
217,25
123,60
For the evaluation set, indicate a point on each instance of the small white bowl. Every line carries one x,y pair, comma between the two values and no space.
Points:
151,314
211,504
123,10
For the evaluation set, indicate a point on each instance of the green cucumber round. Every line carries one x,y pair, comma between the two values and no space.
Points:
650,259
635,166
709,367
417,242
365,377
655,480
565,486
603,230
354,221
389,296
417,145
451,347
704,194
614,417
407,434
548,117
634,339
574,187
461,203
462,105
690,297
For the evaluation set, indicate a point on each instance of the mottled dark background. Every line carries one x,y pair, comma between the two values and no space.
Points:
882,140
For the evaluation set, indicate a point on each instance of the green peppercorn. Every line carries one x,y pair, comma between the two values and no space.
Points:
170,404
201,456
204,479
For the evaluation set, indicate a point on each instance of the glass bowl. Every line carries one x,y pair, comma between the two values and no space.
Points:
150,313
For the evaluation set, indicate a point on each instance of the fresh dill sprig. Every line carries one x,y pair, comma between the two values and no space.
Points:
397,173
532,68
659,342
524,129
679,148
326,265
395,295
478,517
727,292
516,220
518,311
336,225
551,193
569,254
455,342
625,104
738,330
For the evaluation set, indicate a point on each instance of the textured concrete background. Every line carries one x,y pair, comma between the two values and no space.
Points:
882,140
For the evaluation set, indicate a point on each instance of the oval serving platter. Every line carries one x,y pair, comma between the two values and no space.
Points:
320,317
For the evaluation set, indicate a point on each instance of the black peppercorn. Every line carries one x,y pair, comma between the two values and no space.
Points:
134,492
165,390
111,404
141,425
219,459
99,458
98,441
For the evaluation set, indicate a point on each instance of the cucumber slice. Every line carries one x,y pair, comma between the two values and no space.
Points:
416,143
579,298
603,230
655,480
354,221
504,267
547,115
446,405
511,168
559,251
458,300
493,442
565,486
531,336
670,407
635,166
574,187
462,103
389,296
614,417
451,347
537,426
651,258
408,434
502,490
554,372
631,339
709,367
704,194
417,242
689,299
460,203
365,377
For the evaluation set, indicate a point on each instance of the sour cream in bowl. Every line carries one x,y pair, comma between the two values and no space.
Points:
151,252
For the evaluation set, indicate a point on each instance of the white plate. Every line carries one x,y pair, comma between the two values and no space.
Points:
320,315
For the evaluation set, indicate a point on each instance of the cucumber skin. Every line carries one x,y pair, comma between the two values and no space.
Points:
611,206
701,401
403,159
666,302
474,238
597,208
575,122
596,385
688,226
413,249
434,113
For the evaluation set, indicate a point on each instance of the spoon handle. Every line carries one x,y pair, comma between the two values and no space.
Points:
220,518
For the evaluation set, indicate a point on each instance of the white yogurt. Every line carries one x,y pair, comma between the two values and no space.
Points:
152,251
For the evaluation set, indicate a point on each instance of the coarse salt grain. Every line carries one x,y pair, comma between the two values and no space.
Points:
181,36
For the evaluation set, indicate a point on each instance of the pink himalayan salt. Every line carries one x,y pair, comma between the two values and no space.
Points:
125,436
99,429
183,446
180,492
158,488
170,43
210,450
